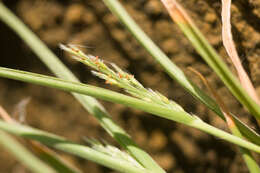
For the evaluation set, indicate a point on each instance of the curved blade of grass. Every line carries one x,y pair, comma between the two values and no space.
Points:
173,71
89,103
111,96
52,158
62,144
23,155
242,75
232,52
208,53
97,92
247,130
59,69
44,153
248,158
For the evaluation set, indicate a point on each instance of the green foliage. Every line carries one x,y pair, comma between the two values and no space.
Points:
143,99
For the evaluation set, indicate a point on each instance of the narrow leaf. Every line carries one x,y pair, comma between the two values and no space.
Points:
232,52
62,144
89,103
155,109
172,69
23,155
248,158
210,55
52,158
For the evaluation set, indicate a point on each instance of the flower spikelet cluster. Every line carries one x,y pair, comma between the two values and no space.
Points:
114,75
113,151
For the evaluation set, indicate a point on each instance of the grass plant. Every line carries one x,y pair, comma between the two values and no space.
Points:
148,100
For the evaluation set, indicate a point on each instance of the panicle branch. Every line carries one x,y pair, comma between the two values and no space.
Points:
116,76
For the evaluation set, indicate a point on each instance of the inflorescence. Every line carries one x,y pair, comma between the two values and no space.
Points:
120,78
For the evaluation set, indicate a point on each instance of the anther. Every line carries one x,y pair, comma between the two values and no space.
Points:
120,75
108,82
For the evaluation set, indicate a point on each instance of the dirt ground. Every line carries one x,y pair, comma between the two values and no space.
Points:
175,147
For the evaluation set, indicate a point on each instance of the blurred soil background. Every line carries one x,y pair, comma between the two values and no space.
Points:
89,23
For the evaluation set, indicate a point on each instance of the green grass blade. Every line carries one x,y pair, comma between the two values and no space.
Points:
248,158
251,163
173,71
209,54
185,23
97,92
62,144
246,128
155,109
23,155
171,68
57,164
247,131
89,103
52,158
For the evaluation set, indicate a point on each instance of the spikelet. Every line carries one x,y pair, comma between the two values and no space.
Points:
112,151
